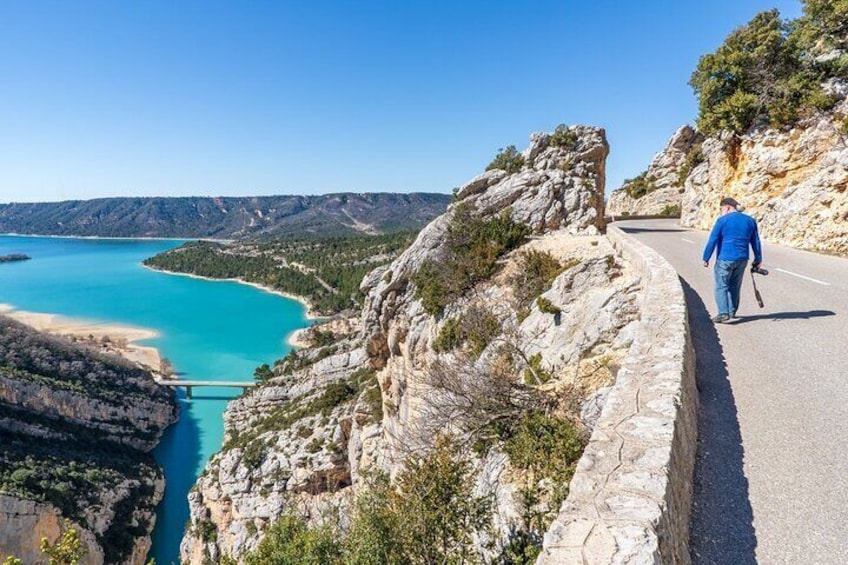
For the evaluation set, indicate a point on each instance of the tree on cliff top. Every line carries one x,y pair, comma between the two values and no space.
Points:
769,71
824,26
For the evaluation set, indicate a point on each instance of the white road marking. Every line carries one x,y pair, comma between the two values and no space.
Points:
687,240
803,277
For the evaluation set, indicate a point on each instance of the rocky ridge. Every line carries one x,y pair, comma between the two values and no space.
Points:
664,178
76,426
330,414
341,214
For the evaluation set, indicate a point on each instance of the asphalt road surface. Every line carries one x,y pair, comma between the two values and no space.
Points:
771,478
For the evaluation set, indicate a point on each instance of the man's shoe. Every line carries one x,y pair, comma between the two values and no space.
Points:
733,315
721,318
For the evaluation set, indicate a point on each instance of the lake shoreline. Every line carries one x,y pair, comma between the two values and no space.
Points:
311,314
116,238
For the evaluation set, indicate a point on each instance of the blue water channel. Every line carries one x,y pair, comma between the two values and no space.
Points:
209,330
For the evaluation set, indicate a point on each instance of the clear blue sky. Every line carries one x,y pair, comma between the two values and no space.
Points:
176,97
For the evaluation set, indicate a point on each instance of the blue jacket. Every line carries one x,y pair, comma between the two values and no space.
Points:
732,234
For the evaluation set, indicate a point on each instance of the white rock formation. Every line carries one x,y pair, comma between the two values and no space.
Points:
794,182
665,174
289,448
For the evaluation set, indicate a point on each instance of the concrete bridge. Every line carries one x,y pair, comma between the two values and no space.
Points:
188,385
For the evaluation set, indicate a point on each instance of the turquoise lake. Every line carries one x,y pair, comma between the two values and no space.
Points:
210,330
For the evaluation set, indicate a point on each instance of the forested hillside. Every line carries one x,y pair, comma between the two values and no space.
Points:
325,271
225,217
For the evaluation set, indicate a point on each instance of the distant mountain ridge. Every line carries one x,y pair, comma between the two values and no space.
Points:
226,217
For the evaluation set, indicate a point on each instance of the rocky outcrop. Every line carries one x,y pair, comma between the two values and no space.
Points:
305,439
294,443
663,180
76,426
23,523
793,181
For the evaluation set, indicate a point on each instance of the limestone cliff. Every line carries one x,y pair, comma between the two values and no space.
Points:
76,426
793,181
658,190
377,391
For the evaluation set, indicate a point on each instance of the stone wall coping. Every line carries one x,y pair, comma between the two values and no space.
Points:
631,495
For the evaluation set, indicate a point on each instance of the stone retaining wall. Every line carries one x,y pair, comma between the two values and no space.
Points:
631,497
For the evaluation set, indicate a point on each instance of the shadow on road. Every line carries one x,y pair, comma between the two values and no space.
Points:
722,529
784,316
649,230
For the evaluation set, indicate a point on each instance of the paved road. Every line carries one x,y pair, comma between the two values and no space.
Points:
771,479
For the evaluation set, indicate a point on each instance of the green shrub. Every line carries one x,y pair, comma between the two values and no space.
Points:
547,307
335,394
536,374
482,326
471,252
206,530
315,445
693,158
476,327
639,186
253,454
431,516
671,210
534,274
68,549
374,399
450,336
822,27
263,373
564,137
507,159
289,541
300,359
549,448
321,338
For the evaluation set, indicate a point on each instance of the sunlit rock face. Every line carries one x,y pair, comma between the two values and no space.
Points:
287,449
793,181
666,175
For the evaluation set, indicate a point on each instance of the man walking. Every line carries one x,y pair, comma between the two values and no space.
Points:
732,234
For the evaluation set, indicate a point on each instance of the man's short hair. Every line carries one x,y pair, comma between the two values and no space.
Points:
729,202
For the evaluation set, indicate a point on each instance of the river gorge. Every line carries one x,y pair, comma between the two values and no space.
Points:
208,330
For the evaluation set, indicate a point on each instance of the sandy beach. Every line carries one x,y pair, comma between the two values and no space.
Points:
121,338
299,338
